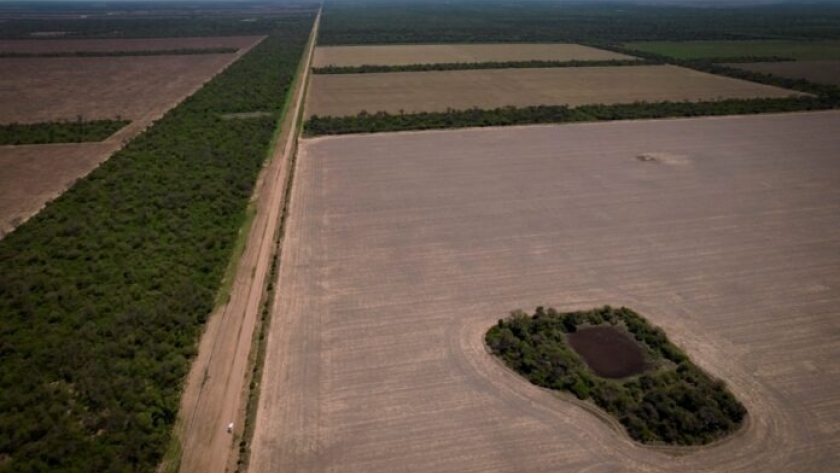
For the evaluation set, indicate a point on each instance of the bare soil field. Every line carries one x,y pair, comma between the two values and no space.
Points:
140,89
822,72
34,175
43,46
45,89
437,91
402,249
446,53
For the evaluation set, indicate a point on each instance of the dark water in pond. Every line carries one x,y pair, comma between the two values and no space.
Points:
609,352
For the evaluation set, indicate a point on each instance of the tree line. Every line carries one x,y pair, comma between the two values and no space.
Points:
365,122
103,293
675,403
63,131
460,66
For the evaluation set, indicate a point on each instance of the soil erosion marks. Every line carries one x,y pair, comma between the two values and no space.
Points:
608,352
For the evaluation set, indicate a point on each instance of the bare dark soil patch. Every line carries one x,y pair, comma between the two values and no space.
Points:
609,352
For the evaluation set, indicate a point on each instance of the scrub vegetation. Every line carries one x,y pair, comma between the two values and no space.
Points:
103,293
675,403
59,132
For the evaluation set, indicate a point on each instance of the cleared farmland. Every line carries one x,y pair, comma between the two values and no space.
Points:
34,175
402,249
44,46
435,91
346,56
42,90
821,72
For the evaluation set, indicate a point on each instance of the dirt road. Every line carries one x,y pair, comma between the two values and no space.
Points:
216,389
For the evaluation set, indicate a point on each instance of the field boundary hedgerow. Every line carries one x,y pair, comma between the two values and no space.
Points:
150,52
63,131
105,291
462,66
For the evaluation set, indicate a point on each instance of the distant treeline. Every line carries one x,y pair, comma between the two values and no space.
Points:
59,132
414,21
542,114
103,294
677,403
460,66
151,52
747,59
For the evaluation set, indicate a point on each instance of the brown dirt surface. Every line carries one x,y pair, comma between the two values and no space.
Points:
436,91
216,390
608,351
44,46
823,72
36,90
35,174
403,248
447,53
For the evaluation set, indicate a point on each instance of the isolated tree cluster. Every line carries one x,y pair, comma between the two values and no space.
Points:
675,403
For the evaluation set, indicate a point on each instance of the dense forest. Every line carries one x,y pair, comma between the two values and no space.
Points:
366,122
155,52
68,131
460,66
380,22
676,403
104,292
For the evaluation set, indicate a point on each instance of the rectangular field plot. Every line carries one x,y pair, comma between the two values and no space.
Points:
437,91
344,56
46,46
822,72
721,49
46,89
402,249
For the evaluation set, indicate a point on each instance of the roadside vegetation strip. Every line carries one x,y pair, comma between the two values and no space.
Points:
667,400
460,66
59,132
544,114
104,292
155,52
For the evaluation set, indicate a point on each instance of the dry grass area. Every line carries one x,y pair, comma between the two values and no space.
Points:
35,174
447,53
46,89
43,46
435,91
823,72
402,249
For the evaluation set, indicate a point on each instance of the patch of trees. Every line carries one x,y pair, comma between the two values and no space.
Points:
460,66
366,122
675,404
68,131
151,52
103,294
371,22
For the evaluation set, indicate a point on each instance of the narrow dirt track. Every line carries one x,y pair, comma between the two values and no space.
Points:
216,389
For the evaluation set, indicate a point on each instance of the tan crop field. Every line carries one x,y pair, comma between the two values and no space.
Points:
402,249
43,46
436,91
823,72
46,89
35,174
447,53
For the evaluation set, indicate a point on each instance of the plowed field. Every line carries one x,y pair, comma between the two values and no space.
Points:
436,91
43,46
402,249
823,72
447,53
